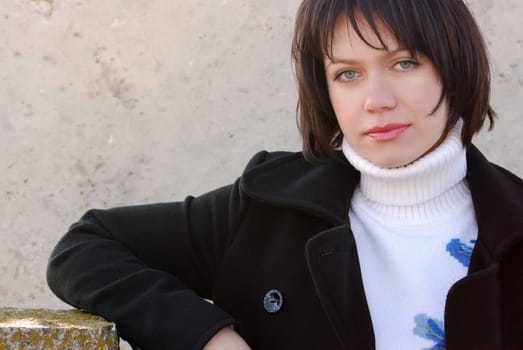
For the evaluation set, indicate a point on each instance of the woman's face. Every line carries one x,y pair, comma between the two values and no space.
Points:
384,100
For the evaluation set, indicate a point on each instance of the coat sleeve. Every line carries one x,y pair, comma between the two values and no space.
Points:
148,267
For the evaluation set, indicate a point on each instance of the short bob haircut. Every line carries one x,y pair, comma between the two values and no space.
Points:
444,31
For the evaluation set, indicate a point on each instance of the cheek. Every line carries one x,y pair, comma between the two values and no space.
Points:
344,107
427,92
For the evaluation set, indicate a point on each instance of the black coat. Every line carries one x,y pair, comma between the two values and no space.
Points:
282,225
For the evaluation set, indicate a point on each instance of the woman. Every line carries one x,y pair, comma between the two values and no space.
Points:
390,230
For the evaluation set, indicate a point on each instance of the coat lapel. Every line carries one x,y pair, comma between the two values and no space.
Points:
322,190
484,310
496,195
333,263
472,319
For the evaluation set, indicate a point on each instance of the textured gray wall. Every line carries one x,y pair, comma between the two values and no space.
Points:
107,103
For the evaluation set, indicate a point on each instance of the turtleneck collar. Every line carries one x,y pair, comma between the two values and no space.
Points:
435,174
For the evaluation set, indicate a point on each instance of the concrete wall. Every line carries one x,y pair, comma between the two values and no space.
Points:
106,103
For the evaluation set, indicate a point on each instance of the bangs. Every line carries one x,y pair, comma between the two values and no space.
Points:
409,21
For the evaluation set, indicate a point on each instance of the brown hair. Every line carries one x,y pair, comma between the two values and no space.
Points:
442,30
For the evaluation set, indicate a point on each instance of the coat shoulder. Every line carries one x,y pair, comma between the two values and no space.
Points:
488,178
287,179
262,158
510,178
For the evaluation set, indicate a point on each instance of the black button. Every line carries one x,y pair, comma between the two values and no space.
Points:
273,301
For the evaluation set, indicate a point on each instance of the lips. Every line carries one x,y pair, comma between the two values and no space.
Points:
387,132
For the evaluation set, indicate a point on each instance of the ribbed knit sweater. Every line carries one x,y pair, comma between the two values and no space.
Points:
415,228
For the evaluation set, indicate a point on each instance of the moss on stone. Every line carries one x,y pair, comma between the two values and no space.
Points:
35,329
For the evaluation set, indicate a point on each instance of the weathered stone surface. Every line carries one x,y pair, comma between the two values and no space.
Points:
39,329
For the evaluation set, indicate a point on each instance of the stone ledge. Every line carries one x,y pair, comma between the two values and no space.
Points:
39,329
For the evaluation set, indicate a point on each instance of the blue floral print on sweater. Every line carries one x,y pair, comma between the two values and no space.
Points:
461,251
430,329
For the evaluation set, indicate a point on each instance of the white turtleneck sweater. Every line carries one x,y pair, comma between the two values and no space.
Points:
415,228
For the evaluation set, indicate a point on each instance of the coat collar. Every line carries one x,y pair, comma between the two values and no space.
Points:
325,190
498,203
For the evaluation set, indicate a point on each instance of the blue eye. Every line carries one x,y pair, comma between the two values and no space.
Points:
347,75
406,64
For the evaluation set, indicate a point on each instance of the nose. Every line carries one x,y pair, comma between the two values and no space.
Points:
380,96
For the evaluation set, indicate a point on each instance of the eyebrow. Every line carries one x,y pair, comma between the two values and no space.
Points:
334,60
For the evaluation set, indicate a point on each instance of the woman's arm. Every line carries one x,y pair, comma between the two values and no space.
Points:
148,268
227,339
